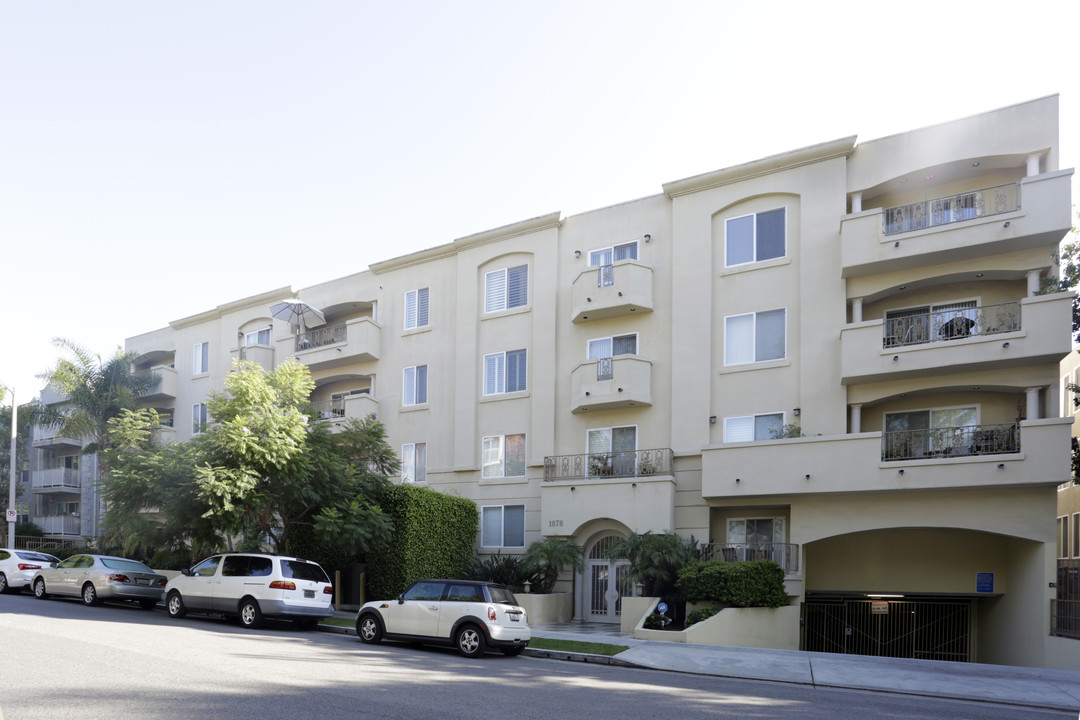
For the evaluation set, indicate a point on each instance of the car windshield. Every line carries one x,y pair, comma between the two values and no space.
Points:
37,557
300,570
121,564
502,595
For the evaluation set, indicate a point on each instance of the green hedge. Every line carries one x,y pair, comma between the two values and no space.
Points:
434,535
696,616
758,583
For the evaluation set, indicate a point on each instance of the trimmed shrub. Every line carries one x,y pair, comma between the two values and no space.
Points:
757,583
434,535
510,570
696,616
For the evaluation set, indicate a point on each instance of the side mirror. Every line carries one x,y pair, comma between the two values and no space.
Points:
187,572
401,599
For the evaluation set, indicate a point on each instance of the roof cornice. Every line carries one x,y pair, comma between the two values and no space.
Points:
266,298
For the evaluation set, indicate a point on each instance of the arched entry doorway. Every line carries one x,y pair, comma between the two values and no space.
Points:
606,581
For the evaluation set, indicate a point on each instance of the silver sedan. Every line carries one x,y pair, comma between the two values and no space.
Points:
96,578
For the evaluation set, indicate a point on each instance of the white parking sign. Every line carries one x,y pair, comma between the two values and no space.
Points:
12,514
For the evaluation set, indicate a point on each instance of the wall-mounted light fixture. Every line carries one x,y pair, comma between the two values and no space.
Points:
712,419
737,481
577,253
900,471
648,238
808,476
1006,223
896,244
1005,345
896,358
797,412
1001,466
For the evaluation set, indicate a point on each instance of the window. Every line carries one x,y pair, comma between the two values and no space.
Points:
67,508
504,372
1076,535
756,538
1063,537
766,426
416,308
918,432
507,288
414,390
200,359
426,591
755,337
502,526
612,451
503,456
198,418
257,337
611,346
414,462
755,237
608,255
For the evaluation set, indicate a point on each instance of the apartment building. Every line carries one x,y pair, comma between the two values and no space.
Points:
838,358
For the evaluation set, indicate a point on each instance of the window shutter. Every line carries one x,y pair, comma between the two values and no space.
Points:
410,309
421,384
770,235
514,526
599,348
599,441
738,339
739,240
625,345
515,456
492,457
493,373
766,425
624,439
495,291
515,370
738,429
491,527
517,286
600,257
422,307
769,342
421,462
626,252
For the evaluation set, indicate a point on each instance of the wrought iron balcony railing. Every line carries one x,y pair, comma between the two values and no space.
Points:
598,466
605,276
953,208
605,369
329,409
321,336
786,555
951,324
965,441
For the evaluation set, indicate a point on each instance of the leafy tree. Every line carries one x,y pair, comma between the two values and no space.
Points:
266,466
551,556
655,559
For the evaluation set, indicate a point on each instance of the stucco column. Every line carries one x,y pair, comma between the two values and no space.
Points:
856,310
856,202
1032,403
1033,164
1033,280
856,418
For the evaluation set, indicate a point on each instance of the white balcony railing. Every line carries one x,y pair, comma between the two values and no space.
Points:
56,479
59,524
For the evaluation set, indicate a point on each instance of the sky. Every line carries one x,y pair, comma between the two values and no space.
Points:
160,159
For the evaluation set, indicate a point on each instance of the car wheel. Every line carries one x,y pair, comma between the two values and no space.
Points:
4,587
39,589
513,651
148,604
250,614
306,623
369,629
174,605
470,641
89,595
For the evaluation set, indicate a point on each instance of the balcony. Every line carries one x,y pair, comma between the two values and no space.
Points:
606,383
325,348
786,555
352,407
166,387
635,488
1032,213
55,480
49,438
261,355
947,442
59,524
866,462
612,290
1031,331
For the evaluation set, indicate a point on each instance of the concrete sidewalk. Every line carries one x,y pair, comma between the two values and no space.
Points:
1006,685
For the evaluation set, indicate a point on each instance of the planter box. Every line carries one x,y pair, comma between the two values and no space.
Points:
547,609
776,628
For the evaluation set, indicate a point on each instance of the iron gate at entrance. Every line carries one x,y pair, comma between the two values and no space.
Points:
922,629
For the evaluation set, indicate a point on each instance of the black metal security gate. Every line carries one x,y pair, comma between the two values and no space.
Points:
923,629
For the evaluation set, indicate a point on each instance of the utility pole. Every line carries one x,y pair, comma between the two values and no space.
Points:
11,477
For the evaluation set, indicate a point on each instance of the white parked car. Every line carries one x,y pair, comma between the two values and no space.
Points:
253,586
17,567
470,615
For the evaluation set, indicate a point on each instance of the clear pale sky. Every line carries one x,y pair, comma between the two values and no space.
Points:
159,159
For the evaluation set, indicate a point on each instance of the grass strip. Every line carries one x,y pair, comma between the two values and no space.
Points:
338,622
576,646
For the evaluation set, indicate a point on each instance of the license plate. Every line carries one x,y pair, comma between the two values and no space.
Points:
514,618
142,581
309,594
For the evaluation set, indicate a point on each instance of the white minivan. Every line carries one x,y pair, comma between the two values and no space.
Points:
253,586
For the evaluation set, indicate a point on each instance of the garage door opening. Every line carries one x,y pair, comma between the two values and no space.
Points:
920,628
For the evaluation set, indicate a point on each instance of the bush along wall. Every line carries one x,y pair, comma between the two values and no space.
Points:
758,583
434,535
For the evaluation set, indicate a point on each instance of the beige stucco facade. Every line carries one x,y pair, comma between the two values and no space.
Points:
623,370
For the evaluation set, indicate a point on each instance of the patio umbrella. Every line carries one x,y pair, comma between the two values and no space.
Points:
297,312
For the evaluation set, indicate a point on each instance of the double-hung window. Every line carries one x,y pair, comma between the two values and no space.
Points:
503,456
414,385
505,372
502,526
766,426
755,337
414,462
755,237
199,418
200,358
257,337
416,308
506,288
609,255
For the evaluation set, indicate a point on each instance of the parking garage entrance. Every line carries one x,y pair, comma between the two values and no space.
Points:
921,628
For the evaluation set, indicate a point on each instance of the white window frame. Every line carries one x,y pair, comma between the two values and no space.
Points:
494,380
200,358
595,255
754,238
753,419
411,388
417,308
485,540
412,466
257,333
497,289
502,456
200,418
611,339
753,337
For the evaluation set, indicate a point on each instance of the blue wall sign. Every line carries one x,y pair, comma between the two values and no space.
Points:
984,582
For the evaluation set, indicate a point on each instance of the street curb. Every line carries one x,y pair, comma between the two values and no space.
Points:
337,629
579,657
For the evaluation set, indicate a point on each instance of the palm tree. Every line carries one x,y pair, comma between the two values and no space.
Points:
96,390
655,559
550,556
